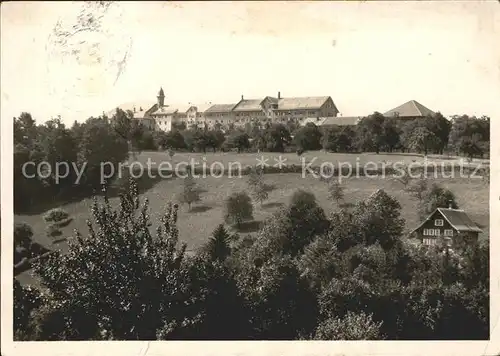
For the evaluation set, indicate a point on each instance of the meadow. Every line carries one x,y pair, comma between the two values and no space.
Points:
317,157
195,226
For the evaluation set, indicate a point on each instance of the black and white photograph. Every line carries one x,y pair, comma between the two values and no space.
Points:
295,171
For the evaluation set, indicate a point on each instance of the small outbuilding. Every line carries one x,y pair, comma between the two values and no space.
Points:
445,225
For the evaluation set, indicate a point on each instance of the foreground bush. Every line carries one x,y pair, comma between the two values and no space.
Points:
55,215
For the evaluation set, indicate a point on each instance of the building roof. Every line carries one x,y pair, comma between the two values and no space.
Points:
249,105
139,114
203,107
145,106
318,121
165,110
184,108
308,102
222,108
411,108
457,218
341,121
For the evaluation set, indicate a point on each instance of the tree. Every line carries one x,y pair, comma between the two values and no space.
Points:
376,220
320,262
276,138
141,287
404,177
308,138
23,234
293,227
215,139
276,294
335,191
128,129
470,135
391,134
26,301
180,126
57,145
100,144
338,139
418,187
422,140
370,133
258,189
441,127
352,327
238,209
172,140
217,247
190,191
238,140
436,197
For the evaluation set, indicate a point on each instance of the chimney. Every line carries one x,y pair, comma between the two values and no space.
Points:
134,108
450,205
241,96
279,95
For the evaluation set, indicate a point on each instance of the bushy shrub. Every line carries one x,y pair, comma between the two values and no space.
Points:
53,231
55,215
238,209
22,234
63,223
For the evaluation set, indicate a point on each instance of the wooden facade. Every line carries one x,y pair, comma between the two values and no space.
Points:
450,227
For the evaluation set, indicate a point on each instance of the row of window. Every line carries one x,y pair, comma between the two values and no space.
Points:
433,242
283,113
437,232
249,114
429,242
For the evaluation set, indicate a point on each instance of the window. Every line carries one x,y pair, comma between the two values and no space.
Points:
438,222
429,242
448,232
431,232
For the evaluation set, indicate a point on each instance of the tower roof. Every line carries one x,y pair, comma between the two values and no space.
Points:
160,93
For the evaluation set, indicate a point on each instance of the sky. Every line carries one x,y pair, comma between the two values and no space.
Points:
368,56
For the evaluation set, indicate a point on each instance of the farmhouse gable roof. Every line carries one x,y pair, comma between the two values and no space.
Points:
457,218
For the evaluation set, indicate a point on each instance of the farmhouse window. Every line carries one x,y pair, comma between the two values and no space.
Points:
429,242
439,222
448,232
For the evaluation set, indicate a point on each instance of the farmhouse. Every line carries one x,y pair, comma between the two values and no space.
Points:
410,110
451,226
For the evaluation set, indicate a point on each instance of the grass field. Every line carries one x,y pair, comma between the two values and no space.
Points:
250,159
197,225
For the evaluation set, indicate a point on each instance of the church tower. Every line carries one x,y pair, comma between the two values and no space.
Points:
161,98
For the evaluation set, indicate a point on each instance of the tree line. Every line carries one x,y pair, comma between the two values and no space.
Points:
103,139
304,275
462,135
